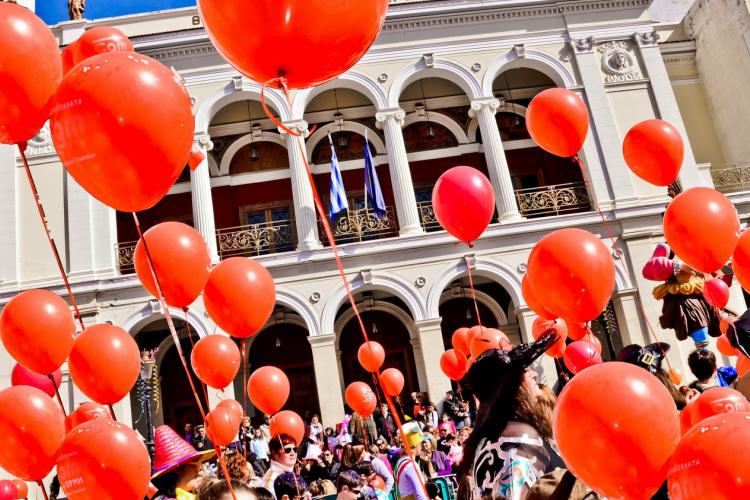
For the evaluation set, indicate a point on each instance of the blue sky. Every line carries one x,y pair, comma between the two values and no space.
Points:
54,11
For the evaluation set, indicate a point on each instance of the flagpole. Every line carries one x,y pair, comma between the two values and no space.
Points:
330,141
366,144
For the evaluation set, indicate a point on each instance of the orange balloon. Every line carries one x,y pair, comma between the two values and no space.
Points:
377,483
335,36
85,413
32,426
233,406
653,150
711,459
686,420
268,388
360,398
460,341
604,423
99,40
575,272
97,351
138,123
577,331
591,339
67,58
542,325
392,381
702,228
725,322
371,356
181,262
484,339
289,423
675,376
724,347
21,487
222,425
741,260
558,121
215,360
453,365
715,401
532,301
30,69
240,296
37,329
104,459
742,366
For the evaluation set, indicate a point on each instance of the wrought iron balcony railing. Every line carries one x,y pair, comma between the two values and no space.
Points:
553,200
126,256
363,225
427,217
732,179
256,239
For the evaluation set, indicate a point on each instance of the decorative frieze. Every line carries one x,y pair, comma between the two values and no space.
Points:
618,61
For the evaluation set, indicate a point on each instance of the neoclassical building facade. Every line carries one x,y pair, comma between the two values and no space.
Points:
447,83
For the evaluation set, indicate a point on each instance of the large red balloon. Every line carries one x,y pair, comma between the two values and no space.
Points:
453,364
741,260
487,338
8,490
215,360
30,72
604,424
181,262
289,423
463,202
576,330
105,363
335,35
37,329
222,425
122,125
392,381
360,398
460,341
240,296
21,487
711,459
268,388
542,326
32,428
232,405
581,354
106,460
702,228
715,401
67,58
85,413
572,274
371,356
558,121
99,40
532,301
653,150
24,376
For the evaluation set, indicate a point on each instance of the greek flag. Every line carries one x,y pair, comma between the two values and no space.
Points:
338,193
373,193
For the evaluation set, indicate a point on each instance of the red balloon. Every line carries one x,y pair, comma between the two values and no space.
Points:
532,301
181,262
30,69
487,338
222,425
24,376
86,413
98,350
725,347
558,121
464,202
653,150
604,424
686,420
460,341
716,293
32,427
122,125
711,459
360,398
268,388
453,364
335,36
371,356
240,296
99,40
725,322
104,459
572,273
392,381
743,365
196,158
702,227
8,490
577,331
675,375
741,260
591,339
215,360
542,325
377,483
289,423
67,58
233,406
579,355
715,401
21,487
37,329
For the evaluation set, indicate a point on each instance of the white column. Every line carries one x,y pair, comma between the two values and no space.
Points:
8,217
203,204
603,127
544,365
630,320
327,378
484,110
666,104
305,215
428,358
391,121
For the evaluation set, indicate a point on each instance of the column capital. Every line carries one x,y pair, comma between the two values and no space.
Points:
328,340
646,38
202,141
396,114
491,103
298,126
429,324
583,45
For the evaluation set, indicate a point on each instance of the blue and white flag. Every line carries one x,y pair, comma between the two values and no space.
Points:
338,193
373,193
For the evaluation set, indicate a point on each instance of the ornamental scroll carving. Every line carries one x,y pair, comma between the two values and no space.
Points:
619,63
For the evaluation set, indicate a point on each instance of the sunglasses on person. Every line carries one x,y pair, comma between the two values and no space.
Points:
290,449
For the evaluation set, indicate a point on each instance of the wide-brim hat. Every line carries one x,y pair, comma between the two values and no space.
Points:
738,333
649,357
171,451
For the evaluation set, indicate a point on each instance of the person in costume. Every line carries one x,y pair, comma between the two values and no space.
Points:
177,466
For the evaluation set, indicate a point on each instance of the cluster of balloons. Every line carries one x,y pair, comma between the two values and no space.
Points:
13,489
468,344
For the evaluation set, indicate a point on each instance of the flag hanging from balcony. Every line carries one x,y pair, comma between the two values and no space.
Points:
338,193
373,193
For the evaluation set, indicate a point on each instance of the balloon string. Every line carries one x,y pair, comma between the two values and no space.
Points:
473,292
57,392
178,346
112,412
41,487
244,388
48,232
192,347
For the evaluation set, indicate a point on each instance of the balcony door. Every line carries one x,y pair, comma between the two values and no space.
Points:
265,229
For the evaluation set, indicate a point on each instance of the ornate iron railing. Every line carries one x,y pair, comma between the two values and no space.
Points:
553,200
364,225
427,217
732,178
256,239
125,255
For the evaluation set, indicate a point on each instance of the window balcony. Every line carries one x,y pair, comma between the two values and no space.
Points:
125,256
256,239
363,225
732,178
555,199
